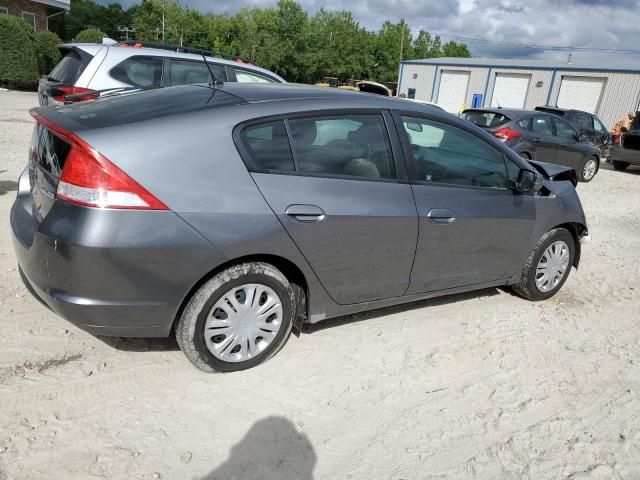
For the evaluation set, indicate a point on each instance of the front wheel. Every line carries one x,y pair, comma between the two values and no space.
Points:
238,319
589,169
548,266
619,165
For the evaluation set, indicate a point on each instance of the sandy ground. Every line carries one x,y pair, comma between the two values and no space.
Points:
482,385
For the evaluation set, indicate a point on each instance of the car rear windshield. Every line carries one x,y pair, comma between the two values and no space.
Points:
70,67
486,119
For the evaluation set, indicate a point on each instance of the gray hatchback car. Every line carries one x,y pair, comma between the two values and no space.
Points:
231,215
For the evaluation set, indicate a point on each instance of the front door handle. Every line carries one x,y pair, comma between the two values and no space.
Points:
305,213
442,216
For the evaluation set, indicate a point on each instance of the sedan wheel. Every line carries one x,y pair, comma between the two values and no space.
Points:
548,265
243,323
238,319
589,169
552,266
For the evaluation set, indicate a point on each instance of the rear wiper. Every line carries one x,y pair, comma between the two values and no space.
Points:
76,96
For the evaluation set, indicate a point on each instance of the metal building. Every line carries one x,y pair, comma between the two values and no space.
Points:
458,83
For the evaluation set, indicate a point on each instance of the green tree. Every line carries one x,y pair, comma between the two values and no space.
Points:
18,60
90,35
453,49
47,48
87,14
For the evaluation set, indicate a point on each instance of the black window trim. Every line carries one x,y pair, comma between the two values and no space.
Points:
410,162
162,69
394,142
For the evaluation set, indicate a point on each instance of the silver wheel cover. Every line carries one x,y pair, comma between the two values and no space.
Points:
243,322
589,169
552,266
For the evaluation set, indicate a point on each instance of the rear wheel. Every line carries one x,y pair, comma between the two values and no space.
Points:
619,165
548,265
238,319
589,169
525,155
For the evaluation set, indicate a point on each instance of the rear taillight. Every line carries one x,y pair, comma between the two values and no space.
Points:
505,134
90,179
59,93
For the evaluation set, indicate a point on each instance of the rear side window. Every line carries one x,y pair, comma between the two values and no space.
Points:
352,146
542,125
526,123
69,68
582,120
486,119
268,147
183,72
563,129
139,71
246,76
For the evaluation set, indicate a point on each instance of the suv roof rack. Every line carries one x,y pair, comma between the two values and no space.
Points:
181,49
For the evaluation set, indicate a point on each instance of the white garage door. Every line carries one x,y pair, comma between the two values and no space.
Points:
453,90
510,90
581,93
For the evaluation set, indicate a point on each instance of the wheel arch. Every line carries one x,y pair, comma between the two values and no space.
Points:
577,231
289,269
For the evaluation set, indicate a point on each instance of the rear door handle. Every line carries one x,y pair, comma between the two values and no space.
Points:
442,216
305,213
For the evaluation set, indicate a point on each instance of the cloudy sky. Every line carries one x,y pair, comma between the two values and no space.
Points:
609,24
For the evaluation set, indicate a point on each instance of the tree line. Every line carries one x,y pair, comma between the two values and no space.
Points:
285,39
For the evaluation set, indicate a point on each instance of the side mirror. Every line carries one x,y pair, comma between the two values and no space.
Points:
414,127
529,182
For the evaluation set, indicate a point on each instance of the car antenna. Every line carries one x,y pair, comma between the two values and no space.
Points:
213,83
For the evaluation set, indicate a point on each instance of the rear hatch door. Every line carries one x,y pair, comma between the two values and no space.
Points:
53,87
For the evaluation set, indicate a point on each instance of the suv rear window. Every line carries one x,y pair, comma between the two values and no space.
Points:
486,119
69,68
139,71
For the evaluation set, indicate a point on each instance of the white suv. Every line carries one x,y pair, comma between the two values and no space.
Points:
89,70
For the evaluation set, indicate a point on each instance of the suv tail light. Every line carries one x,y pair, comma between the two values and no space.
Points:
505,134
61,91
90,179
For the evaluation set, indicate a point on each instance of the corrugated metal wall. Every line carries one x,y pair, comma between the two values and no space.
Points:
621,92
619,96
423,83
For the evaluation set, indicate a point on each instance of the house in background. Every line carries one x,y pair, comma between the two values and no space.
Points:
40,14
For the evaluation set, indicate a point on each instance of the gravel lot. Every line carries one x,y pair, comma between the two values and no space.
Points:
482,385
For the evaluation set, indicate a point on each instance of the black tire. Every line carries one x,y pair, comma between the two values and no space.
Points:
527,287
525,155
191,326
617,165
582,167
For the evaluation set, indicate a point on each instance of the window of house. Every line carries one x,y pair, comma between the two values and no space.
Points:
30,18
446,154
411,93
4,10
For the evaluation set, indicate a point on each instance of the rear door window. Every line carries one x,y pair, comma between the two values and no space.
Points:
69,68
268,147
185,72
139,71
486,119
525,123
564,130
583,120
247,76
542,125
350,146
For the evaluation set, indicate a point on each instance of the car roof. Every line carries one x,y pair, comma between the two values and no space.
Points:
263,98
93,48
510,112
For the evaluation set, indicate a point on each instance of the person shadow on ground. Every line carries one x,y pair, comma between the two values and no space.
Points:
271,449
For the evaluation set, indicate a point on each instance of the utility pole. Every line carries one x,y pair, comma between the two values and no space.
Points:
402,25
125,31
163,21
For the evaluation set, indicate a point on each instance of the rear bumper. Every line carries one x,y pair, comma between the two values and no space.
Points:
110,272
625,155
